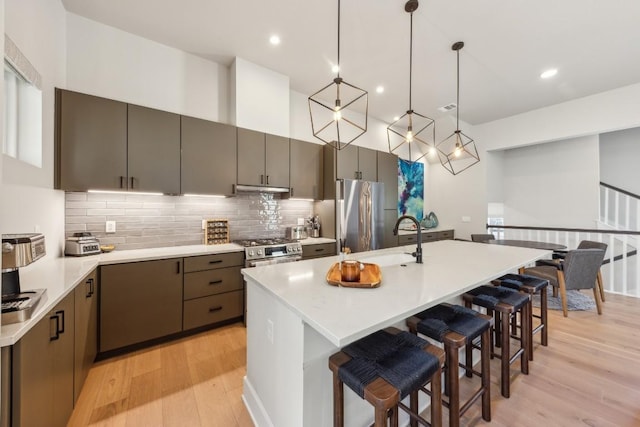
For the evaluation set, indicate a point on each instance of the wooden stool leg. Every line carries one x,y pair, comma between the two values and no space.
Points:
543,316
380,418
454,386
530,327
525,312
484,369
393,413
596,295
504,352
436,398
338,401
600,286
468,360
413,405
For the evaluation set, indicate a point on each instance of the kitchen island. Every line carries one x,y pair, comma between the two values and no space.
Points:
295,320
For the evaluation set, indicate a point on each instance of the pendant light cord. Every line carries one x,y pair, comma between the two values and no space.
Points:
410,57
338,38
458,91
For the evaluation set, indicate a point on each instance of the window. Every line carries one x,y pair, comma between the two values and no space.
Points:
23,117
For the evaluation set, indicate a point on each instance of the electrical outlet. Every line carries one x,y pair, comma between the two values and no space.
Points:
466,219
110,227
270,330
204,224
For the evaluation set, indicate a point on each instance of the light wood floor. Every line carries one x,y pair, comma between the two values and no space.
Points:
589,375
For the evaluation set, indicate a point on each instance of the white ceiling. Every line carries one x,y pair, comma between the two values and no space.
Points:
595,45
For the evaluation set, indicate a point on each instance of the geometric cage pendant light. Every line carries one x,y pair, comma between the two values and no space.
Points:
412,136
339,110
457,152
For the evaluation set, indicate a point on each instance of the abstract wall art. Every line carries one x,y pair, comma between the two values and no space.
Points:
410,188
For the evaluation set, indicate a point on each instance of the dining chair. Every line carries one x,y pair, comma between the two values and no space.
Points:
482,238
588,244
578,271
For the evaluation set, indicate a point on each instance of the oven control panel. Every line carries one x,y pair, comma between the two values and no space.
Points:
273,251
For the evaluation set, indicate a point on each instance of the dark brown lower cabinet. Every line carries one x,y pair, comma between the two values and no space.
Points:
86,330
43,370
318,251
139,301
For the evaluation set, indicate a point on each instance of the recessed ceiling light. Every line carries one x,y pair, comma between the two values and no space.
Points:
396,118
335,69
380,89
549,73
274,40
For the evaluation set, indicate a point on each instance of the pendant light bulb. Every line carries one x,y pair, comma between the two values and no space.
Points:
409,135
337,111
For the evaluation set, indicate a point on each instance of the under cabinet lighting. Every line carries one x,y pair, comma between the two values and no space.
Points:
215,196
136,193
301,199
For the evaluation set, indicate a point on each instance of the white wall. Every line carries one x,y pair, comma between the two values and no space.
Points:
619,156
552,184
28,201
607,111
111,63
259,98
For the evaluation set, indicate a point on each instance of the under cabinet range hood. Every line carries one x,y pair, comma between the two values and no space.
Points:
237,188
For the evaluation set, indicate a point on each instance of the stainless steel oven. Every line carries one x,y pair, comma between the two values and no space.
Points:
270,251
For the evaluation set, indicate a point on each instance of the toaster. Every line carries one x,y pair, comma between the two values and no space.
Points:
82,244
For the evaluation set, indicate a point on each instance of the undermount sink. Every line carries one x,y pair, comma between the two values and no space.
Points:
390,259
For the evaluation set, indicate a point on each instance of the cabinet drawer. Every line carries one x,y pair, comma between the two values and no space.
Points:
320,250
444,235
212,309
405,239
430,237
209,282
207,262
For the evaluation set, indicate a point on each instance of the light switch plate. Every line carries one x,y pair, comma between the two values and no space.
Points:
110,227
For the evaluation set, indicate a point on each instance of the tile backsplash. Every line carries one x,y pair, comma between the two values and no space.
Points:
144,221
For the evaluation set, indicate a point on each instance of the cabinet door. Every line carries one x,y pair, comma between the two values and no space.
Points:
276,161
318,251
390,218
139,302
86,330
43,370
251,157
347,163
388,174
63,365
306,170
32,385
153,150
367,164
209,161
91,142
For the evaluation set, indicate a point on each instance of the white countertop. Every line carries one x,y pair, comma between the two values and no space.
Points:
316,241
59,276
343,315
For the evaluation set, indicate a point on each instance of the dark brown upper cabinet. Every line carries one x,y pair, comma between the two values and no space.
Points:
388,174
306,170
153,150
91,142
263,159
352,162
103,144
209,161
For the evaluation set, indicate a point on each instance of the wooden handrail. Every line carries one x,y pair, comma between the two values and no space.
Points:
573,230
620,190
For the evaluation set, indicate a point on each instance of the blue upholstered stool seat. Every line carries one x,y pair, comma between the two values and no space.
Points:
490,296
518,281
436,322
399,359
383,368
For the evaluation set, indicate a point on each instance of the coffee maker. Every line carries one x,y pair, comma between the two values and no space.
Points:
19,250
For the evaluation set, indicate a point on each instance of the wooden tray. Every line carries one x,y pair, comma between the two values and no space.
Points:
370,277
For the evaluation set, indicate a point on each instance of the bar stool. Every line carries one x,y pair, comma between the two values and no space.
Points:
456,327
503,303
531,285
383,368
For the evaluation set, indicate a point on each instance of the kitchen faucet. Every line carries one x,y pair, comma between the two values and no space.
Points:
418,252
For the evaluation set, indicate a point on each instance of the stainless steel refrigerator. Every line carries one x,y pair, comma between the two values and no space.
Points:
359,214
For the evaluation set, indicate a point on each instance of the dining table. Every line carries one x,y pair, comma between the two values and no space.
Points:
532,244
